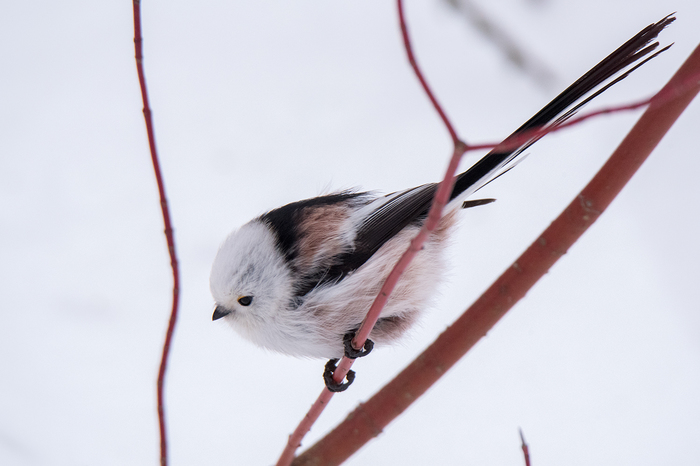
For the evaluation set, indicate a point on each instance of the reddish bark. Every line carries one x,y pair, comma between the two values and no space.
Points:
138,46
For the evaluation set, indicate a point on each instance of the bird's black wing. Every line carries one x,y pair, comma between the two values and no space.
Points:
400,210
378,226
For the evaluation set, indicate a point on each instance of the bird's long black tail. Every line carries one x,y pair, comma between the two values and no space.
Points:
615,67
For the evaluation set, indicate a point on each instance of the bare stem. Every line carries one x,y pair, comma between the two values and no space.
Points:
441,198
419,75
138,46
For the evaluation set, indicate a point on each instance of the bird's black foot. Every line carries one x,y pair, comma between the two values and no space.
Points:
351,352
331,384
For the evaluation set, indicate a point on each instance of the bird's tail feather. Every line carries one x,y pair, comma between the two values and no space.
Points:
614,68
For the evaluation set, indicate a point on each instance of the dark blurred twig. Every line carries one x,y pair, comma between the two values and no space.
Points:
526,450
504,42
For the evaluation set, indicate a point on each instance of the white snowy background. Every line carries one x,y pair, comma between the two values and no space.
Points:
260,103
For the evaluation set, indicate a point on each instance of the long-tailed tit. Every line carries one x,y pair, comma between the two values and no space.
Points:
301,277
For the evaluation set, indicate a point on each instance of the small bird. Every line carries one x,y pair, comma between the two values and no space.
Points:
300,278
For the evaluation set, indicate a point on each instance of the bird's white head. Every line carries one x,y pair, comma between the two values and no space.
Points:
250,280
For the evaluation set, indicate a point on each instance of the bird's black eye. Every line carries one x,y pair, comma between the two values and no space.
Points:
245,300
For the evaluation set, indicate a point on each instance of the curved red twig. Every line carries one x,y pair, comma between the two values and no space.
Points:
439,202
419,75
138,46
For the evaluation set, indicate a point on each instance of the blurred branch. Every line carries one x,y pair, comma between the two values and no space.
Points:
138,46
504,42
370,418
526,449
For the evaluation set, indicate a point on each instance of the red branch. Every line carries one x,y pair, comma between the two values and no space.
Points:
138,46
664,95
419,75
440,200
369,418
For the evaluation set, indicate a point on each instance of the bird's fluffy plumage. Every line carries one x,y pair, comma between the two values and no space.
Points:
301,306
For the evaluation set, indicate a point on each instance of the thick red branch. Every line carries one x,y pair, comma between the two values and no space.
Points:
368,419
138,46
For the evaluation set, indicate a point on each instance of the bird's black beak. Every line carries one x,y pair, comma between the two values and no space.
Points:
220,312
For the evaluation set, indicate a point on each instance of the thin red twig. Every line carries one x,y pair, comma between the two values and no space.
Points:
441,198
434,215
513,142
419,75
138,46
369,418
526,450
